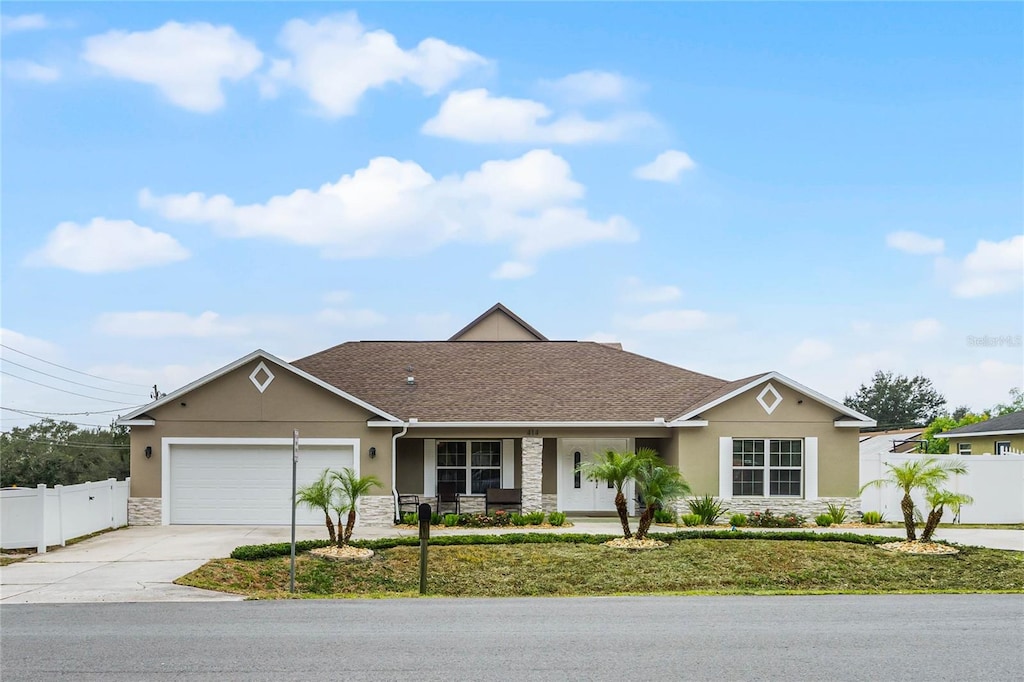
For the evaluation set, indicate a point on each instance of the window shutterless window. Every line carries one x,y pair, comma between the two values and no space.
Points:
1002,447
783,467
963,448
474,466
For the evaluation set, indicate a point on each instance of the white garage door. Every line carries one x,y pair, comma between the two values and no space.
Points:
245,484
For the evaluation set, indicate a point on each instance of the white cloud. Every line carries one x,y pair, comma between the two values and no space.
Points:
980,384
914,243
634,290
926,329
513,270
477,116
668,321
22,22
27,344
336,297
667,167
149,324
27,70
186,62
336,61
351,318
590,86
393,206
992,268
106,246
810,352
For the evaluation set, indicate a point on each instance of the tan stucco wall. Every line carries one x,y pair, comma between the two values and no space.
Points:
497,327
981,445
232,407
696,449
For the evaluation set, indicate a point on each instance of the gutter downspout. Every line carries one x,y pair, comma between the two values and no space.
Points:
394,467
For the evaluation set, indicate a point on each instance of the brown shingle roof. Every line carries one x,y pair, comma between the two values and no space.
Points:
510,380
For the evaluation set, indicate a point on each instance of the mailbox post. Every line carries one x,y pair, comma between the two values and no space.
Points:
424,537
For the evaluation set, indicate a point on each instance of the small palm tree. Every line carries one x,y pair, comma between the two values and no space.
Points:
617,468
939,500
349,489
925,473
658,484
319,495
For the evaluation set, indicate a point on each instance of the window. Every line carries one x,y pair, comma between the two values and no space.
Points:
577,476
474,466
963,448
783,467
1002,447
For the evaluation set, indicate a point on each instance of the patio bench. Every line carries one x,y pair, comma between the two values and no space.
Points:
503,497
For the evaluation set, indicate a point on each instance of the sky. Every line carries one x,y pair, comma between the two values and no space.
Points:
824,190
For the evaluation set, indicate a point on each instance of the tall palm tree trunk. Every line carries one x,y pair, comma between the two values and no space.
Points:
907,506
330,526
620,507
645,522
934,516
350,523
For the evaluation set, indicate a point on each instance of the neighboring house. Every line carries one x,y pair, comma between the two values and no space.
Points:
496,405
890,442
997,436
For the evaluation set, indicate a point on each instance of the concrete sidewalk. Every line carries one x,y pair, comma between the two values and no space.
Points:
140,563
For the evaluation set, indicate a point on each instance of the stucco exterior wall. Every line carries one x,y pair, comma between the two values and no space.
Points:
232,407
982,445
497,327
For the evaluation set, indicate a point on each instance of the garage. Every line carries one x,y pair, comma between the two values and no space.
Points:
244,482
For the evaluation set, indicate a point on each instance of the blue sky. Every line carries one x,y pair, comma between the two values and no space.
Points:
821,189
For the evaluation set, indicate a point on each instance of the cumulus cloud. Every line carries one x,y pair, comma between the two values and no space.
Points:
477,116
393,206
667,167
151,324
635,291
590,86
186,62
106,246
926,329
914,243
22,22
810,352
668,321
513,270
335,61
992,268
27,344
28,70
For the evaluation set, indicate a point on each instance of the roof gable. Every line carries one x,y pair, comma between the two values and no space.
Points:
498,323
1007,424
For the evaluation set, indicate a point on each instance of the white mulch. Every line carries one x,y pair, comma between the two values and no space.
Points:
918,547
633,543
346,553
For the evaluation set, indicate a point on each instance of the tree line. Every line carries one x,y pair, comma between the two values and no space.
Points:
62,453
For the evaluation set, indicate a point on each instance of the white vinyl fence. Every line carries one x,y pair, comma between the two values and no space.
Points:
41,516
996,482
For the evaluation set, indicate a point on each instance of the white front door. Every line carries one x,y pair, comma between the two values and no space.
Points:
576,493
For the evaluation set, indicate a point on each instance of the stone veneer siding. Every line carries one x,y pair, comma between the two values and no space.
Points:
533,465
144,511
781,506
376,510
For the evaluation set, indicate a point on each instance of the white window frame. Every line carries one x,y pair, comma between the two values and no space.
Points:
469,468
963,448
1001,446
767,468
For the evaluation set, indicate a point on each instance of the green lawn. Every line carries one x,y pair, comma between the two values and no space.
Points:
691,566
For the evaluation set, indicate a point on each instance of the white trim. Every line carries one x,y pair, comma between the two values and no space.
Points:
849,423
259,353
394,466
168,441
429,467
768,388
810,468
261,386
506,425
508,463
960,448
688,422
786,381
725,467
136,422
950,434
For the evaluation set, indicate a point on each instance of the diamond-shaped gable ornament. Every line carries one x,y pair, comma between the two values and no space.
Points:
773,398
261,377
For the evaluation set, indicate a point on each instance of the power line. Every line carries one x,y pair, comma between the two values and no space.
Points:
65,421
33,413
76,383
116,381
67,443
81,395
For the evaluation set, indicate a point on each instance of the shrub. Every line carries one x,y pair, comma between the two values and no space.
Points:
823,520
411,518
766,519
707,508
518,519
535,518
690,519
738,520
873,517
556,518
451,520
664,516
838,514
436,519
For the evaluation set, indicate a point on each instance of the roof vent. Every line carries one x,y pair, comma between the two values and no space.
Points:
411,380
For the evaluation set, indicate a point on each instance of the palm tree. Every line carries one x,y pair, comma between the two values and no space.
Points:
658,484
939,499
319,495
616,468
926,473
349,489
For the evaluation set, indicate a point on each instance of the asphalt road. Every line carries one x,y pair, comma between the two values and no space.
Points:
907,637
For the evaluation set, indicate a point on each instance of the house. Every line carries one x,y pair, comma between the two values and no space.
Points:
896,441
1000,435
496,405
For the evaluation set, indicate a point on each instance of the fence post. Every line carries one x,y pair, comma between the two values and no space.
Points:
110,499
41,501
59,489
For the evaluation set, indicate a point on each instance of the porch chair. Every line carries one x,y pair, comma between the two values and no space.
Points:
447,494
408,503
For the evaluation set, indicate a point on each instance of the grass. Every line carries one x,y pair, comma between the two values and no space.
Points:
567,569
8,558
